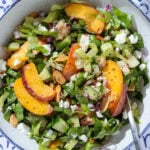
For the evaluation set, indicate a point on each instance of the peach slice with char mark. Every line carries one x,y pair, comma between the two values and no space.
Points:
34,85
88,14
117,94
70,67
18,59
30,103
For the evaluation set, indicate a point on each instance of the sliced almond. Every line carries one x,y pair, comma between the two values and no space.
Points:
58,92
61,58
131,88
13,120
52,86
104,104
58,77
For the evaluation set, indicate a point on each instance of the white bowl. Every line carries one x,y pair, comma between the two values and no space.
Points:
11,137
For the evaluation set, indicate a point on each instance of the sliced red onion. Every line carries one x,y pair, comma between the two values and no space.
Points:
17,34
108,7
68,25
52,47
97,106
51,25
49,39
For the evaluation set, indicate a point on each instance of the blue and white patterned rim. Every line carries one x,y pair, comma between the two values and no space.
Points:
5,6
143,6
7,144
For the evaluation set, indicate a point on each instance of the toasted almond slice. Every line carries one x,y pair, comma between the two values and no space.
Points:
61,58
52,86
13,120
58,92
131,88
58,77
104,104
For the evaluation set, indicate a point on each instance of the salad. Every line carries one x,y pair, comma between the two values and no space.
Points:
68,73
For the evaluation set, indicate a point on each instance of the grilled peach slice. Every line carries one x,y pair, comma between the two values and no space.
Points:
34,85
18,59
117,94
70,67
30,103
88,14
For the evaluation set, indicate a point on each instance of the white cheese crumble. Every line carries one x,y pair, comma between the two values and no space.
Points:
2,65
124,67
83,138
17,62
66,104
91,107
98,84
125,114
133,39
62,29
61,104
138,54
121,38
73,107
48,48
23,128
99,114
142,66
42,28
117,49
84,41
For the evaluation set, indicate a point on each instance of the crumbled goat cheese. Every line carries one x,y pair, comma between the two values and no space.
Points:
91,106
61,104
17,62
142,66
66,104
101,78
42,28
48,48
138,54
84,41
117,49
133,39
99,114
98,84
23,128
73,107
83,138
125,115
2,65
121,38
124,67
62,29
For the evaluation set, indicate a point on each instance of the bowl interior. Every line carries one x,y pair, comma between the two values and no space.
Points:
24,7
